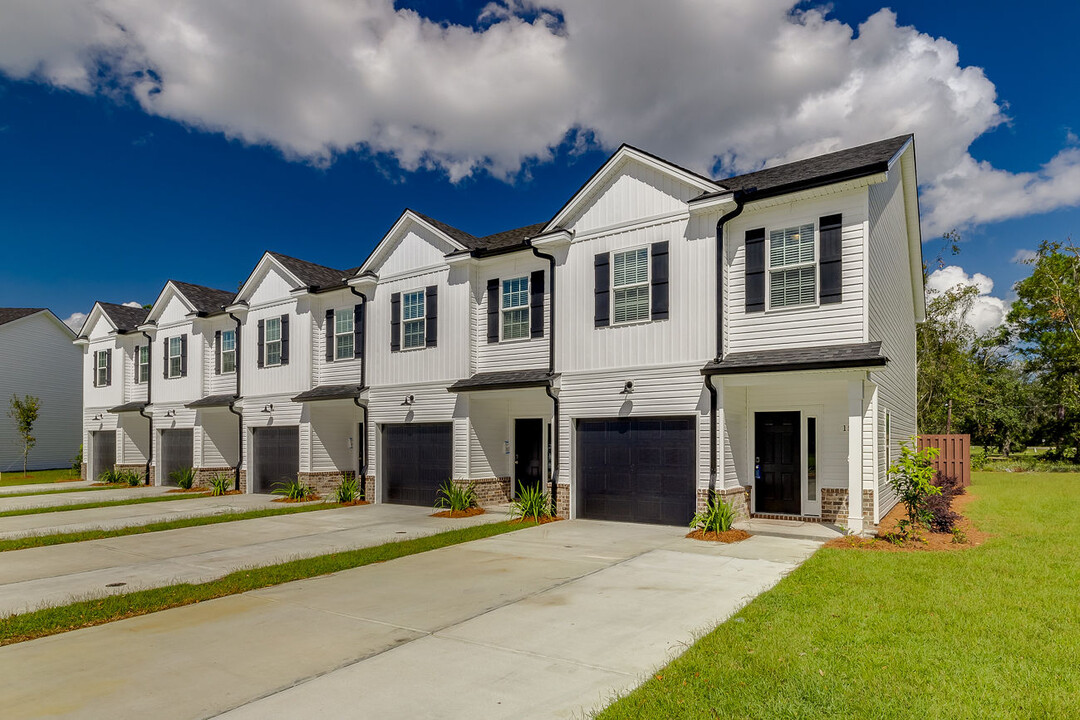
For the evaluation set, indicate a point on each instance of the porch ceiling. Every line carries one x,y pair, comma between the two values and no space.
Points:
821,357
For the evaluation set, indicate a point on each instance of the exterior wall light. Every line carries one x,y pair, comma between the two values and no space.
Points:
409,400
269,408
628,388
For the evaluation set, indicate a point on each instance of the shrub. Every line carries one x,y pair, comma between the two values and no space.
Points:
959,537
76,463
128,477
910,478
531,503
109,477
348,490
942,518
183,477
293,489
455,497
717,516
220,485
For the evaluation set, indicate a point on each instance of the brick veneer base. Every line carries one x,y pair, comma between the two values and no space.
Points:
82,472
834,505
489,491
139,470
243,481
369,488
203,475
326,482
562,500
737,497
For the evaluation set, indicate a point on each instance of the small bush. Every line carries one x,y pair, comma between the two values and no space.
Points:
717,516
455,497
76,463
293,489
941,517
220,485
531,503
348,490
911,479
959,537
128,477
183,477
109,477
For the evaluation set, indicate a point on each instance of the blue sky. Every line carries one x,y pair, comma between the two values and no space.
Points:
121,169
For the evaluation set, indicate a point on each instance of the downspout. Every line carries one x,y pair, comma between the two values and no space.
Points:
713,399
363,347
142,410
356,400
551,375
237,413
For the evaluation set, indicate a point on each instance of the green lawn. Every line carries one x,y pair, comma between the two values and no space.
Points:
989,632
35,477
103,503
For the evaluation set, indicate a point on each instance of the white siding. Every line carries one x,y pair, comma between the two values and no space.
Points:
491,431
334,426
133,440
214,384
37,358
510,354
805,326
416,248
290,379
178,390
432,403
892,320
335,372
216,439
634,192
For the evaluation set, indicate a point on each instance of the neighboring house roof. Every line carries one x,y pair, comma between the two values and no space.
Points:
820,357
329,392
134,406
207,301
124,317
311,274
211,401
505,380
9,314
496,242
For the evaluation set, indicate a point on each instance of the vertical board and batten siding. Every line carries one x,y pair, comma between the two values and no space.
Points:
528,353
133,391
178,390
432,404
416,248
827,324
38,358
214,384
492,416
336,372
288,379
891,319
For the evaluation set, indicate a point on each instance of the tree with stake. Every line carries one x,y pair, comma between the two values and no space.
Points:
25,413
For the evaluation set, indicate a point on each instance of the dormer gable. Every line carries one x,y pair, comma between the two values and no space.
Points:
111,319
414,243
179,301
270,280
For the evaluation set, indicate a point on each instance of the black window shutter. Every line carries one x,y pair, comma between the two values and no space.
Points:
329,335
93,368
358,330
395,322
262,343
183,355
135,357
217,352
431,316
755,270
284,339
830,252
660,281
536,304
108,367
165,359
493,310
602,313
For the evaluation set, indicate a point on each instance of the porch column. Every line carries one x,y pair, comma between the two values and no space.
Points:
855,464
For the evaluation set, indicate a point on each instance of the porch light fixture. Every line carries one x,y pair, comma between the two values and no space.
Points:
170,413
409,400
96,417
268,408
628,388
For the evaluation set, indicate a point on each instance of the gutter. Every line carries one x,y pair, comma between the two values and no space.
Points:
551,372
142,410
237,413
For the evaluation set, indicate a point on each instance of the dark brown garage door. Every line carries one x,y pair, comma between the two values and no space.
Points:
276,451
417,460
177,451
637,469
103,453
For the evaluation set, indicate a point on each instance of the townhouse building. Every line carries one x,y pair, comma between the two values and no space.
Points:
662,337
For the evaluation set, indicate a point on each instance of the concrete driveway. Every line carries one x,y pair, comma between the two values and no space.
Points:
550,621
53,499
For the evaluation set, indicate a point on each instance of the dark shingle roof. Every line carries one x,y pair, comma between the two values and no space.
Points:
124,317
505,380
495,242
206,300
329,392
9,314
212,401
134,406
821,357
469,241
821,170
310,274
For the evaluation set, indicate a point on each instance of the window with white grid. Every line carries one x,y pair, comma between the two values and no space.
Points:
630,282
413,311
344,335
515,308
792,267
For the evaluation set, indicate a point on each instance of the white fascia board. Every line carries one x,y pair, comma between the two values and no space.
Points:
462,260
241,307
811,193
719,202
163,298
364,282
406,217
96,312
909,183
267,257
552,240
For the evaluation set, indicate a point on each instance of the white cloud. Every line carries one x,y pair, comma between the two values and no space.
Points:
132,303
986,312
75,321
1024,256
743,83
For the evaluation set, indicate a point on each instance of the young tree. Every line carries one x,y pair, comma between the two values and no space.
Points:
25,413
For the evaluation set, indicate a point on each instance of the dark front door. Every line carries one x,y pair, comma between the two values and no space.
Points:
637,470
417,459
277,457
777,468
177,451
528,453
103,452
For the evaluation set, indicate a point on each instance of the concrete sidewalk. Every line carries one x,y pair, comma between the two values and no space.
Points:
54,499
550,621
109,518
60,574
44,487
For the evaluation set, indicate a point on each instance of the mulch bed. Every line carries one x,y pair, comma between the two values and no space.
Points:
931,541
728,536
189,490
459,513
533,521
354,503
309,498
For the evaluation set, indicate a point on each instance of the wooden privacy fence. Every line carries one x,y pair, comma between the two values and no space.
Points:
954,455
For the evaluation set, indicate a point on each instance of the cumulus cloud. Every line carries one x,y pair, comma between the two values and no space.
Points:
986,312
1024,256
132,303
725,86
75,321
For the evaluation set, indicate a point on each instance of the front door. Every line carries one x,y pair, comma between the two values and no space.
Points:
777,467
528,453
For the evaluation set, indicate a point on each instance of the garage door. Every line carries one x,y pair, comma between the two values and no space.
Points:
103,452
417,460
276,451
176,452
637,470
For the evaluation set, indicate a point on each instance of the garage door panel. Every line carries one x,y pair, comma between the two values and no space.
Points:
277,457
419,458
177,451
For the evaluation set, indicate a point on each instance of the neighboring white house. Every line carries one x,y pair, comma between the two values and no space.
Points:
663,336
37,358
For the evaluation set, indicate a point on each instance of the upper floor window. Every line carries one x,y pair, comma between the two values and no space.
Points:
413,315
272,345
792,267
344,334
228,351
630,281
101,368
176,357
515,308
142,364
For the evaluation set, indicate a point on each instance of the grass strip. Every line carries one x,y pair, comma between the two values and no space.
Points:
33,541
104,503
4,496
87,613
38,477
